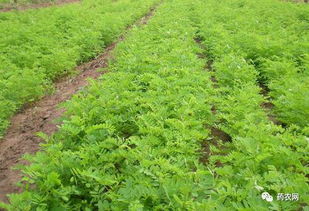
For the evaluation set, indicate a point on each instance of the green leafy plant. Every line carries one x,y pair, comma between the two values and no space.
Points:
37,47
134,139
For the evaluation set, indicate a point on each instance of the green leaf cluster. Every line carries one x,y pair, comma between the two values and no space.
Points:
38,46
250,42
272,36
133,140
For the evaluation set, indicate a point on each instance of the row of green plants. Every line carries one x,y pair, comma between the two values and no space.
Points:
134,139
38,46
131,140
262,156
273,37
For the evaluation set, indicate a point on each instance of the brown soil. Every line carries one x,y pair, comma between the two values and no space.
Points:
10,7
21,136
220,135
269,106
218,139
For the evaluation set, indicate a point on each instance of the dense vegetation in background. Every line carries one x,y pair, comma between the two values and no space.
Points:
265,43
37,46
134,140
274,41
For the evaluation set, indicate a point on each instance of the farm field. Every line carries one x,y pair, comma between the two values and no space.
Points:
203,106
38,46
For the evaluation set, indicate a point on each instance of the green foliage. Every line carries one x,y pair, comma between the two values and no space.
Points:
38,46
273,36
289,89
268,45
132,140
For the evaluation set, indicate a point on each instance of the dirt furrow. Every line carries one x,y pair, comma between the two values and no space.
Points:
21,136
217,135
10,7
268,106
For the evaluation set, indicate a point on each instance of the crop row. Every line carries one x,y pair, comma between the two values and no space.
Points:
132,140
274,38
262,156
38,46
135,139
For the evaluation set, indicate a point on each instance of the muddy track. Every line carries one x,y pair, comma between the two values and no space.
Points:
10,7
21,136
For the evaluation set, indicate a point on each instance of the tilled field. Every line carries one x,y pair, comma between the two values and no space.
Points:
203,106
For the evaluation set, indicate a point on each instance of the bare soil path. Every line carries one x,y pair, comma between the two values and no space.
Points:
21,136
11,7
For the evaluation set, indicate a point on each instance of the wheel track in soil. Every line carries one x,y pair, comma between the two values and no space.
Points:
21,136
